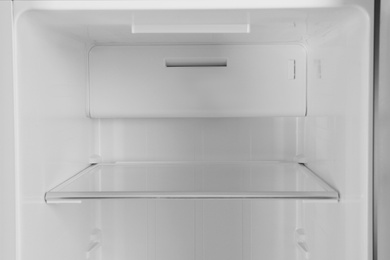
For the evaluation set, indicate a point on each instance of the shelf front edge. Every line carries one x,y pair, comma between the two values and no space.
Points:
317,195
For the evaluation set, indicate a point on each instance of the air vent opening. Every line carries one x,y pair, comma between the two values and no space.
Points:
195,62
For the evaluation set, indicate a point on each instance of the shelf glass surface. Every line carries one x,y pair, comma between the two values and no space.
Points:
193,180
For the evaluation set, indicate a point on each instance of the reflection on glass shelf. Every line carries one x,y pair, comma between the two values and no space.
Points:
193,180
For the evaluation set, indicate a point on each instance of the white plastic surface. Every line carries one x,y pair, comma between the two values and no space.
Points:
338,139
56,139
231,230
186,4
194,139
134,81
52,132
8,199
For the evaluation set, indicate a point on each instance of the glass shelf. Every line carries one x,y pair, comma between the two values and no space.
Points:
193,180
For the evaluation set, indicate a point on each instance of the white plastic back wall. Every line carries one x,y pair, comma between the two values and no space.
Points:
197,81
199,230
211,139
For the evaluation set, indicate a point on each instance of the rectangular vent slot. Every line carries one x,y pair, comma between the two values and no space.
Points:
190,28
195,62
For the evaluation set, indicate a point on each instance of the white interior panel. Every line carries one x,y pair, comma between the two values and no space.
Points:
261,72
8,199
222,223
273,225
137,81
175,230
338,134
199,230
54,139
219,139
125,230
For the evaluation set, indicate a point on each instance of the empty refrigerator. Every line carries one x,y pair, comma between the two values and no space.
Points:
157,130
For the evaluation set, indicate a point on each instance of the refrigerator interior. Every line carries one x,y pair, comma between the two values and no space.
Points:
229,87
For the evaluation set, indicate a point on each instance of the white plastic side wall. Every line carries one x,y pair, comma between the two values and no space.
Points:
7,161
54,141
338,140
